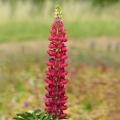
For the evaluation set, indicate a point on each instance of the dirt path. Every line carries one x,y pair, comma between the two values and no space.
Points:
101,43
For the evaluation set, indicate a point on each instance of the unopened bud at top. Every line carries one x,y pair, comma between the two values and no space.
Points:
58,13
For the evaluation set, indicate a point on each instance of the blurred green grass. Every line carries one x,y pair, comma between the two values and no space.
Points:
84,28
22,30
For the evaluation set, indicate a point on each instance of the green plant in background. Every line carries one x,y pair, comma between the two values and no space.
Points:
104,2
87,105
38,4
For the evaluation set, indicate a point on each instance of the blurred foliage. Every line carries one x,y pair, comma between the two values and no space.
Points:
35,3
104,2
39,3
34,29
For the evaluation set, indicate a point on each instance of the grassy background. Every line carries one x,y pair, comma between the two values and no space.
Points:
83,28
26,21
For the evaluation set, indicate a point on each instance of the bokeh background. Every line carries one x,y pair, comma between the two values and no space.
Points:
94,56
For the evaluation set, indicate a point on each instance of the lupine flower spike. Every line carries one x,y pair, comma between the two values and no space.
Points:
55,102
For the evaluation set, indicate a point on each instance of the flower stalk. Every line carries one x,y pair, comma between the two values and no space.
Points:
55,103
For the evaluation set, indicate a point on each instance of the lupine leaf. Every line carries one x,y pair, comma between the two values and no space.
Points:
57,118
50,117
42,116
35,115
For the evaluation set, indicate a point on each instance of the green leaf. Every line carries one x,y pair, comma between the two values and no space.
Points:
35,115
57,118
24,116
50,117
17,118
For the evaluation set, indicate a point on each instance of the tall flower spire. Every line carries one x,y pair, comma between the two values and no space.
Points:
56,74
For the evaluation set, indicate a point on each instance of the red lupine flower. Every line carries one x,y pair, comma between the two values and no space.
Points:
56,74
